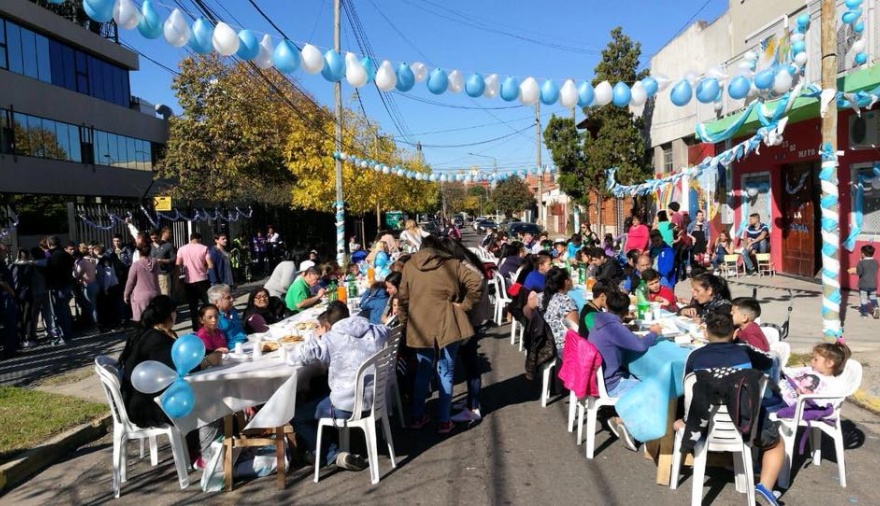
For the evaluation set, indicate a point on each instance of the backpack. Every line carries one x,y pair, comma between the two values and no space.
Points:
744,404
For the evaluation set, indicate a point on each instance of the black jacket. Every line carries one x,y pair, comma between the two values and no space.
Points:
59,269
737,389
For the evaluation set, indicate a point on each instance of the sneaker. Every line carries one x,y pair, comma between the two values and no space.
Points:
467,416
877,313
28,344
445,427
459,405
612,426
417,422
863,315
200,464
351,462
764,496
626,437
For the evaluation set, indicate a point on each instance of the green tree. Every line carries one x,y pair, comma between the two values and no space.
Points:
566,148
512,196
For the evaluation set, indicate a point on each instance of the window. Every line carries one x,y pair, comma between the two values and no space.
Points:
69,72
82,73
44,67
870,198
75,152
3,63
29,53
13,48
667,159
5,131
62,138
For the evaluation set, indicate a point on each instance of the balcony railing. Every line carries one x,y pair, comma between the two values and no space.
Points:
73,11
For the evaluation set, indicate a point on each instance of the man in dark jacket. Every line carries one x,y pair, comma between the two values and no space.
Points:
607,268
8,331
59,280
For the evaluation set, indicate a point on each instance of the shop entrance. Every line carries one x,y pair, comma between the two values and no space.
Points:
801,252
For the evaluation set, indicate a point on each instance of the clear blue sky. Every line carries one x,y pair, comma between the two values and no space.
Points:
473,36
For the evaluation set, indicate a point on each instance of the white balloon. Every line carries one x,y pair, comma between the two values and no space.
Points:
801,58
568,94
264,57
420,71
456,81
126,14
745,65
603,93
386,79
717,73
529,91
355,73
753,91
639,95
797,36
663,81
858,46
225,39
691,76
312,59
492,85
782,82
175,29
750,56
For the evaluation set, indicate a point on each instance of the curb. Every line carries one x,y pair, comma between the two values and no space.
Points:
867,401
36,459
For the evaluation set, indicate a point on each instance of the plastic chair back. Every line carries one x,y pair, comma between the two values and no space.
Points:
783,351
108,373
771,332
500,287
600,381
372,378
722,435
851,377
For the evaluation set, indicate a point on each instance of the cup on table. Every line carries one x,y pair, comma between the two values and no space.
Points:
239,348
656,311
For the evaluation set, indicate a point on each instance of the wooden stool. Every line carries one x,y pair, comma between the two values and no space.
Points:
256,437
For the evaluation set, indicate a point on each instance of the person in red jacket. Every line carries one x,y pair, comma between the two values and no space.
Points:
638,236
657,292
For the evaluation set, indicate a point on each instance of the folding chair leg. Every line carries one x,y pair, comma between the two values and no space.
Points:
142,448
580,422
838,453
749,474
117,464
816,445
739,471
788,440
181,458
572,410
513,332
154,451
372,451
123,460
592,419
676,461
700,455
386,428
318,453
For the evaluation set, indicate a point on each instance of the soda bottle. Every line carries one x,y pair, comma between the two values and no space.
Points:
352,287
582,274
342,293
642,303
331,292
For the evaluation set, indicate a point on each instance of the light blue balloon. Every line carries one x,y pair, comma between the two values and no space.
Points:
850,17
405,78
861,58
475,86
438,81
586,94
334,66
852,4
248,45
370,67
859,27
681,93
739,87
707,90
179,400
201,40
150,24
286,57
803,19
650,85
764,79
798,46
621,95
99,10
187,353
509,89
549,92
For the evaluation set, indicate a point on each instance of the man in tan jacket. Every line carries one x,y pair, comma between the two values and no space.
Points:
435,295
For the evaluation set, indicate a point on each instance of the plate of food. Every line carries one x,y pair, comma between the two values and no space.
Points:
237,357
307,325
269,346
291,339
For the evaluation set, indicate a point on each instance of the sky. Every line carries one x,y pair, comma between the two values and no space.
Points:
547,40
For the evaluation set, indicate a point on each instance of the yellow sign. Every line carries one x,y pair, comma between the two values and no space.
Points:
162,203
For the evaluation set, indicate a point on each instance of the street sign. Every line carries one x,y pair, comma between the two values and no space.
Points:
161,203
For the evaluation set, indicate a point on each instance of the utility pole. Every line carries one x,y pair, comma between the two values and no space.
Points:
828,177
540,218
337,96
376,157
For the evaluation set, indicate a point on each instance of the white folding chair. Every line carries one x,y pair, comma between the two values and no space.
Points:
394,342
591,405
124,430
372,385
850,380
501,297
721,436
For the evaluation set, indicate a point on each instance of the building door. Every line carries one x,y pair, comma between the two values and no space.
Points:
799,220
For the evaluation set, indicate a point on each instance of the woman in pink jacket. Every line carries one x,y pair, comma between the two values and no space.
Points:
637,236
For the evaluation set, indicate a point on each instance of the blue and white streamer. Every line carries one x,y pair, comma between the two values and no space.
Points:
340,233
831,297
856,215
466,175
744,205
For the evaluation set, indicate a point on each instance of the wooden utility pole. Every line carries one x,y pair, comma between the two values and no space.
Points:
337,100
539,218
828,177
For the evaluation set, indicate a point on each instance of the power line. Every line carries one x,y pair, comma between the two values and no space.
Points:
454,106
401,34
478,143
472,127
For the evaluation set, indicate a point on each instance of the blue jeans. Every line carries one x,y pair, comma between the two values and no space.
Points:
62,321
305,424
470,360
445,373
755,247
8,330
867,301
623,386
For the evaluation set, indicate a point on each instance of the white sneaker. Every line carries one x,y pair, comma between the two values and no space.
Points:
467,416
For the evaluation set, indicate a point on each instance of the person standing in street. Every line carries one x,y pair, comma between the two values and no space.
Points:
220,272
8,330
164,254
194,260
59,281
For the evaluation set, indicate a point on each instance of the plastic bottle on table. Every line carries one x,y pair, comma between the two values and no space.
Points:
582,275
331,291
642,303
342,293
352,287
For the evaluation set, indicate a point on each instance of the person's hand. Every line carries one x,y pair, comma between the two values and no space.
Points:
656,329
851,270
689,312
126,301
662,301
678,425
222,350
320,293
213,358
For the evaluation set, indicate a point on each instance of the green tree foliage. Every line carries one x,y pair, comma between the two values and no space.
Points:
512,196
565,144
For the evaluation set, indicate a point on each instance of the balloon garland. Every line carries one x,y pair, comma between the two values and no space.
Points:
852,17
198,215
490,175
204,37
151,376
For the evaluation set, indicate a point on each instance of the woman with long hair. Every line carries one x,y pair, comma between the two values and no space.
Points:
142,285
512,255
556,305
710,294
723,246
411,237
262,310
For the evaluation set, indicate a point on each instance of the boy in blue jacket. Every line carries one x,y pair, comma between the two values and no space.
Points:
663,257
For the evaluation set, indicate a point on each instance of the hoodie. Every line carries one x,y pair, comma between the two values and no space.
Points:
435,296
342,350
613,339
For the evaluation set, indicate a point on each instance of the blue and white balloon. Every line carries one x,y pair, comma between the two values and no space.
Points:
639,95
529,91
152,376
420,71
456,81
568,95
175,29
406,79
370,67
782,82
850,17
438,81
738,87
286,57
621,95
549,92
493,86
150,25
264,56
386,79
248,45
510,89
312,59
475,86
355,74
126,14
604,93
860,58
225,40
650,85
99,10
187,353
202,33
764,79
179,400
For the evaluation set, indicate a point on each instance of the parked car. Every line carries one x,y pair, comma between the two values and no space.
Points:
459,222
516,228
430,227
484,224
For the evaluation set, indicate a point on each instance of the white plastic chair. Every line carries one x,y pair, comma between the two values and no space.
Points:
591,405
394,342
771,332
501,297
850,380
374,375
783,351
721,436
546,370
124,430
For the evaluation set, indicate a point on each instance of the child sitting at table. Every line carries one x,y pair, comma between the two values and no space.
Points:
745,311
342,349
827,363
723,351
587,318
208,333
613,339
657,292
